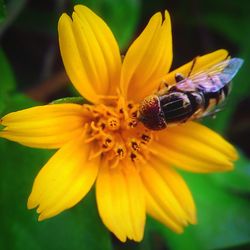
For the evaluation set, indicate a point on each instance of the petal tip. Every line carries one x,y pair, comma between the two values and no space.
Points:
138,238
234,155
63,21
166,15
223,51
41,217
228,166
83,9
180,230
63,17
31,203
80,7
193,219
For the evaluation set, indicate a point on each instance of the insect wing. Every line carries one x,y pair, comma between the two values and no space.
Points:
225,71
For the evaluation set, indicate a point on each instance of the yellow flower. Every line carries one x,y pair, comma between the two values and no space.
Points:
103,142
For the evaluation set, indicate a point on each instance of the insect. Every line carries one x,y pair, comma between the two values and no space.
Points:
193,97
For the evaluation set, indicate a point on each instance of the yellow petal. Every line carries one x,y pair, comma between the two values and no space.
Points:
179,188
148,58
194,147
201,63
64,180
163,202
48,126
158,213
120,200
90,54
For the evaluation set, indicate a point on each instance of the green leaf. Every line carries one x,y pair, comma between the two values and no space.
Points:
7,81
174,241
77,228
237,180
223,218
121,16
76,100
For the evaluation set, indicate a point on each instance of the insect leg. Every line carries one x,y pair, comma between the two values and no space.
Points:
163,84
179,77
211,113
192,66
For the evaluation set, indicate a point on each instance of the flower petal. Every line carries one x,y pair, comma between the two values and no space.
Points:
90,54
120,200
64,180
48,126
167,196
178,187
194,147
148,58
201,63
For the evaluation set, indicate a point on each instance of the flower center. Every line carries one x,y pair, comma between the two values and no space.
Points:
116,132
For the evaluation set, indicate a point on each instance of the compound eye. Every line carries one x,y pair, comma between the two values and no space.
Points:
141,118
150,113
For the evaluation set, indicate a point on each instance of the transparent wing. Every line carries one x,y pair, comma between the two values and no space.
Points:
213,78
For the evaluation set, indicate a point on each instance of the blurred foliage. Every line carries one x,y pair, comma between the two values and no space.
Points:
29,56
7,80
2,11
238,180
10,9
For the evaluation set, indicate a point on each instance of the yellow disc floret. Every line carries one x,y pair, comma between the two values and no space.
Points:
116,132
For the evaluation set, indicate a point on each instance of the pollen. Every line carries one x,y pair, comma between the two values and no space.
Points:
116,133
113,123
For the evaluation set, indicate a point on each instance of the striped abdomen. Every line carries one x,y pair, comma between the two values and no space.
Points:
213,97
179,106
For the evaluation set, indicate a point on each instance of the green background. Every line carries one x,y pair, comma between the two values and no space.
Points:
31,72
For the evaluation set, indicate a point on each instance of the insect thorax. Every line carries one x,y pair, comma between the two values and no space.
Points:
179,106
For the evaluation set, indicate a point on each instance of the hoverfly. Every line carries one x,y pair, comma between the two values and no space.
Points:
191,98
